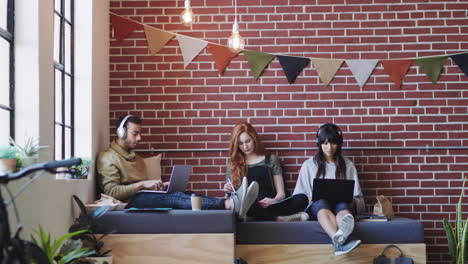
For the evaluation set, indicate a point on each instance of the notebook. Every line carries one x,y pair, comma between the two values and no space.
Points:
178,181
333,190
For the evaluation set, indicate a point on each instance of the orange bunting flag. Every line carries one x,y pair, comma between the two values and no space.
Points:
157,38
222,56
396,69
123,26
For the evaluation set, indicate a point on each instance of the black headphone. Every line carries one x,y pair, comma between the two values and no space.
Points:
122,130
318,140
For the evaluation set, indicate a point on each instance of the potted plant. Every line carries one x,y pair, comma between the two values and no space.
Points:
81,171
28,152
61,250
93,237
7,158
458,236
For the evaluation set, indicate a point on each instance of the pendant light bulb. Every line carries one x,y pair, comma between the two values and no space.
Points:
236,42
187,16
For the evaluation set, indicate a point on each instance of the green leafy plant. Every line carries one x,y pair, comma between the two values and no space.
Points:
81,171
30,148
69,250
88,221
8,152
458,236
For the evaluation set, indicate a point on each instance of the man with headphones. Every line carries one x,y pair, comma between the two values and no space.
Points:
122,173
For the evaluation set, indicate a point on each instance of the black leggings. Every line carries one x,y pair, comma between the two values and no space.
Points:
291,205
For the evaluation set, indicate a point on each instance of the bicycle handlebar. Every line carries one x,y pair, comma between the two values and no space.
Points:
48,166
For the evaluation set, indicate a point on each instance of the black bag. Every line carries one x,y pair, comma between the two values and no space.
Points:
382,259
240,261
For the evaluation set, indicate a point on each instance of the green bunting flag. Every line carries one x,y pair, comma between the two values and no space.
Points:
432,66
258,61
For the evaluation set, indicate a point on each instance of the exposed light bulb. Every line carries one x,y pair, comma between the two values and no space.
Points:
187,16
236,42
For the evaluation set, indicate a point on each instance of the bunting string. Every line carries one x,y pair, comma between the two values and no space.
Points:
292,65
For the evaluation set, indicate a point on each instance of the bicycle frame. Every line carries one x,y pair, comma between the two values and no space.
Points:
5,233
14,244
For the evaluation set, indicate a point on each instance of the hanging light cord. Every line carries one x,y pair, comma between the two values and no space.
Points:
235,10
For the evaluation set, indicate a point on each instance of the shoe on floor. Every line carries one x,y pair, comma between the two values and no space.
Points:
345,248
249,198
301,216
345,228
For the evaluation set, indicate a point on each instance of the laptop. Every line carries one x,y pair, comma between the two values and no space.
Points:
178,181
336,191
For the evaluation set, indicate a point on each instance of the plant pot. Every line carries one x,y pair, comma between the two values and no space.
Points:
7,165
100,260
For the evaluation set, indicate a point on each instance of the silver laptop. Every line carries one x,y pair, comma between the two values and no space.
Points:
179,179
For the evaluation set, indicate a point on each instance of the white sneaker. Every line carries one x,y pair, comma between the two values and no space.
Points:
344,249
243,188
345,228
301,216
249,198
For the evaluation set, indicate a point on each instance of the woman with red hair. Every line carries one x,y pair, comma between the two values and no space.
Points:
248,158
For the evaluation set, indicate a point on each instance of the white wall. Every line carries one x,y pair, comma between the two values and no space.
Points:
48,200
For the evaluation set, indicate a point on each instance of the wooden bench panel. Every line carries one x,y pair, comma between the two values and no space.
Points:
322,253
171,248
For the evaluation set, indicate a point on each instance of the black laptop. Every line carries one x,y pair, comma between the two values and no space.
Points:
336,191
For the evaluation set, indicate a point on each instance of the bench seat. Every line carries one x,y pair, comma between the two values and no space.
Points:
214,236
398,230
175,236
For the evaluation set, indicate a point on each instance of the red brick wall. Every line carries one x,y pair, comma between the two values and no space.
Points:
410,143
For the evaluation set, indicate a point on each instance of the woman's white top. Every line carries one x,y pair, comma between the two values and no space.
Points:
305,182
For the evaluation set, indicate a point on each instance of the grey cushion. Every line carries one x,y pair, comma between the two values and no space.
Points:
398,230
170,222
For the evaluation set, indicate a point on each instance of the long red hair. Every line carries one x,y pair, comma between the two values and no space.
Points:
238,163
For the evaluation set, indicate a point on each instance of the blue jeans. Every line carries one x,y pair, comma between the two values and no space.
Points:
176,200
316,206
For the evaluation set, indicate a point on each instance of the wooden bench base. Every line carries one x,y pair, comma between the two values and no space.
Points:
322,253
219,249
171,248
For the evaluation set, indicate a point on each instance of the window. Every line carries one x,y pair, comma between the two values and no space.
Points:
64,79
7,82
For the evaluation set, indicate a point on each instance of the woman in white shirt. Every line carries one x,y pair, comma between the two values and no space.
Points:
336,219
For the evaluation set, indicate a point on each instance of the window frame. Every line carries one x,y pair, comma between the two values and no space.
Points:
61,67
9,36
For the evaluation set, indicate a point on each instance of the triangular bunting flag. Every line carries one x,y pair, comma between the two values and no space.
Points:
123,27
361,69
258,61
327,69
292,66
190,47
222,55
432,66
157,38
462,61
396,69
